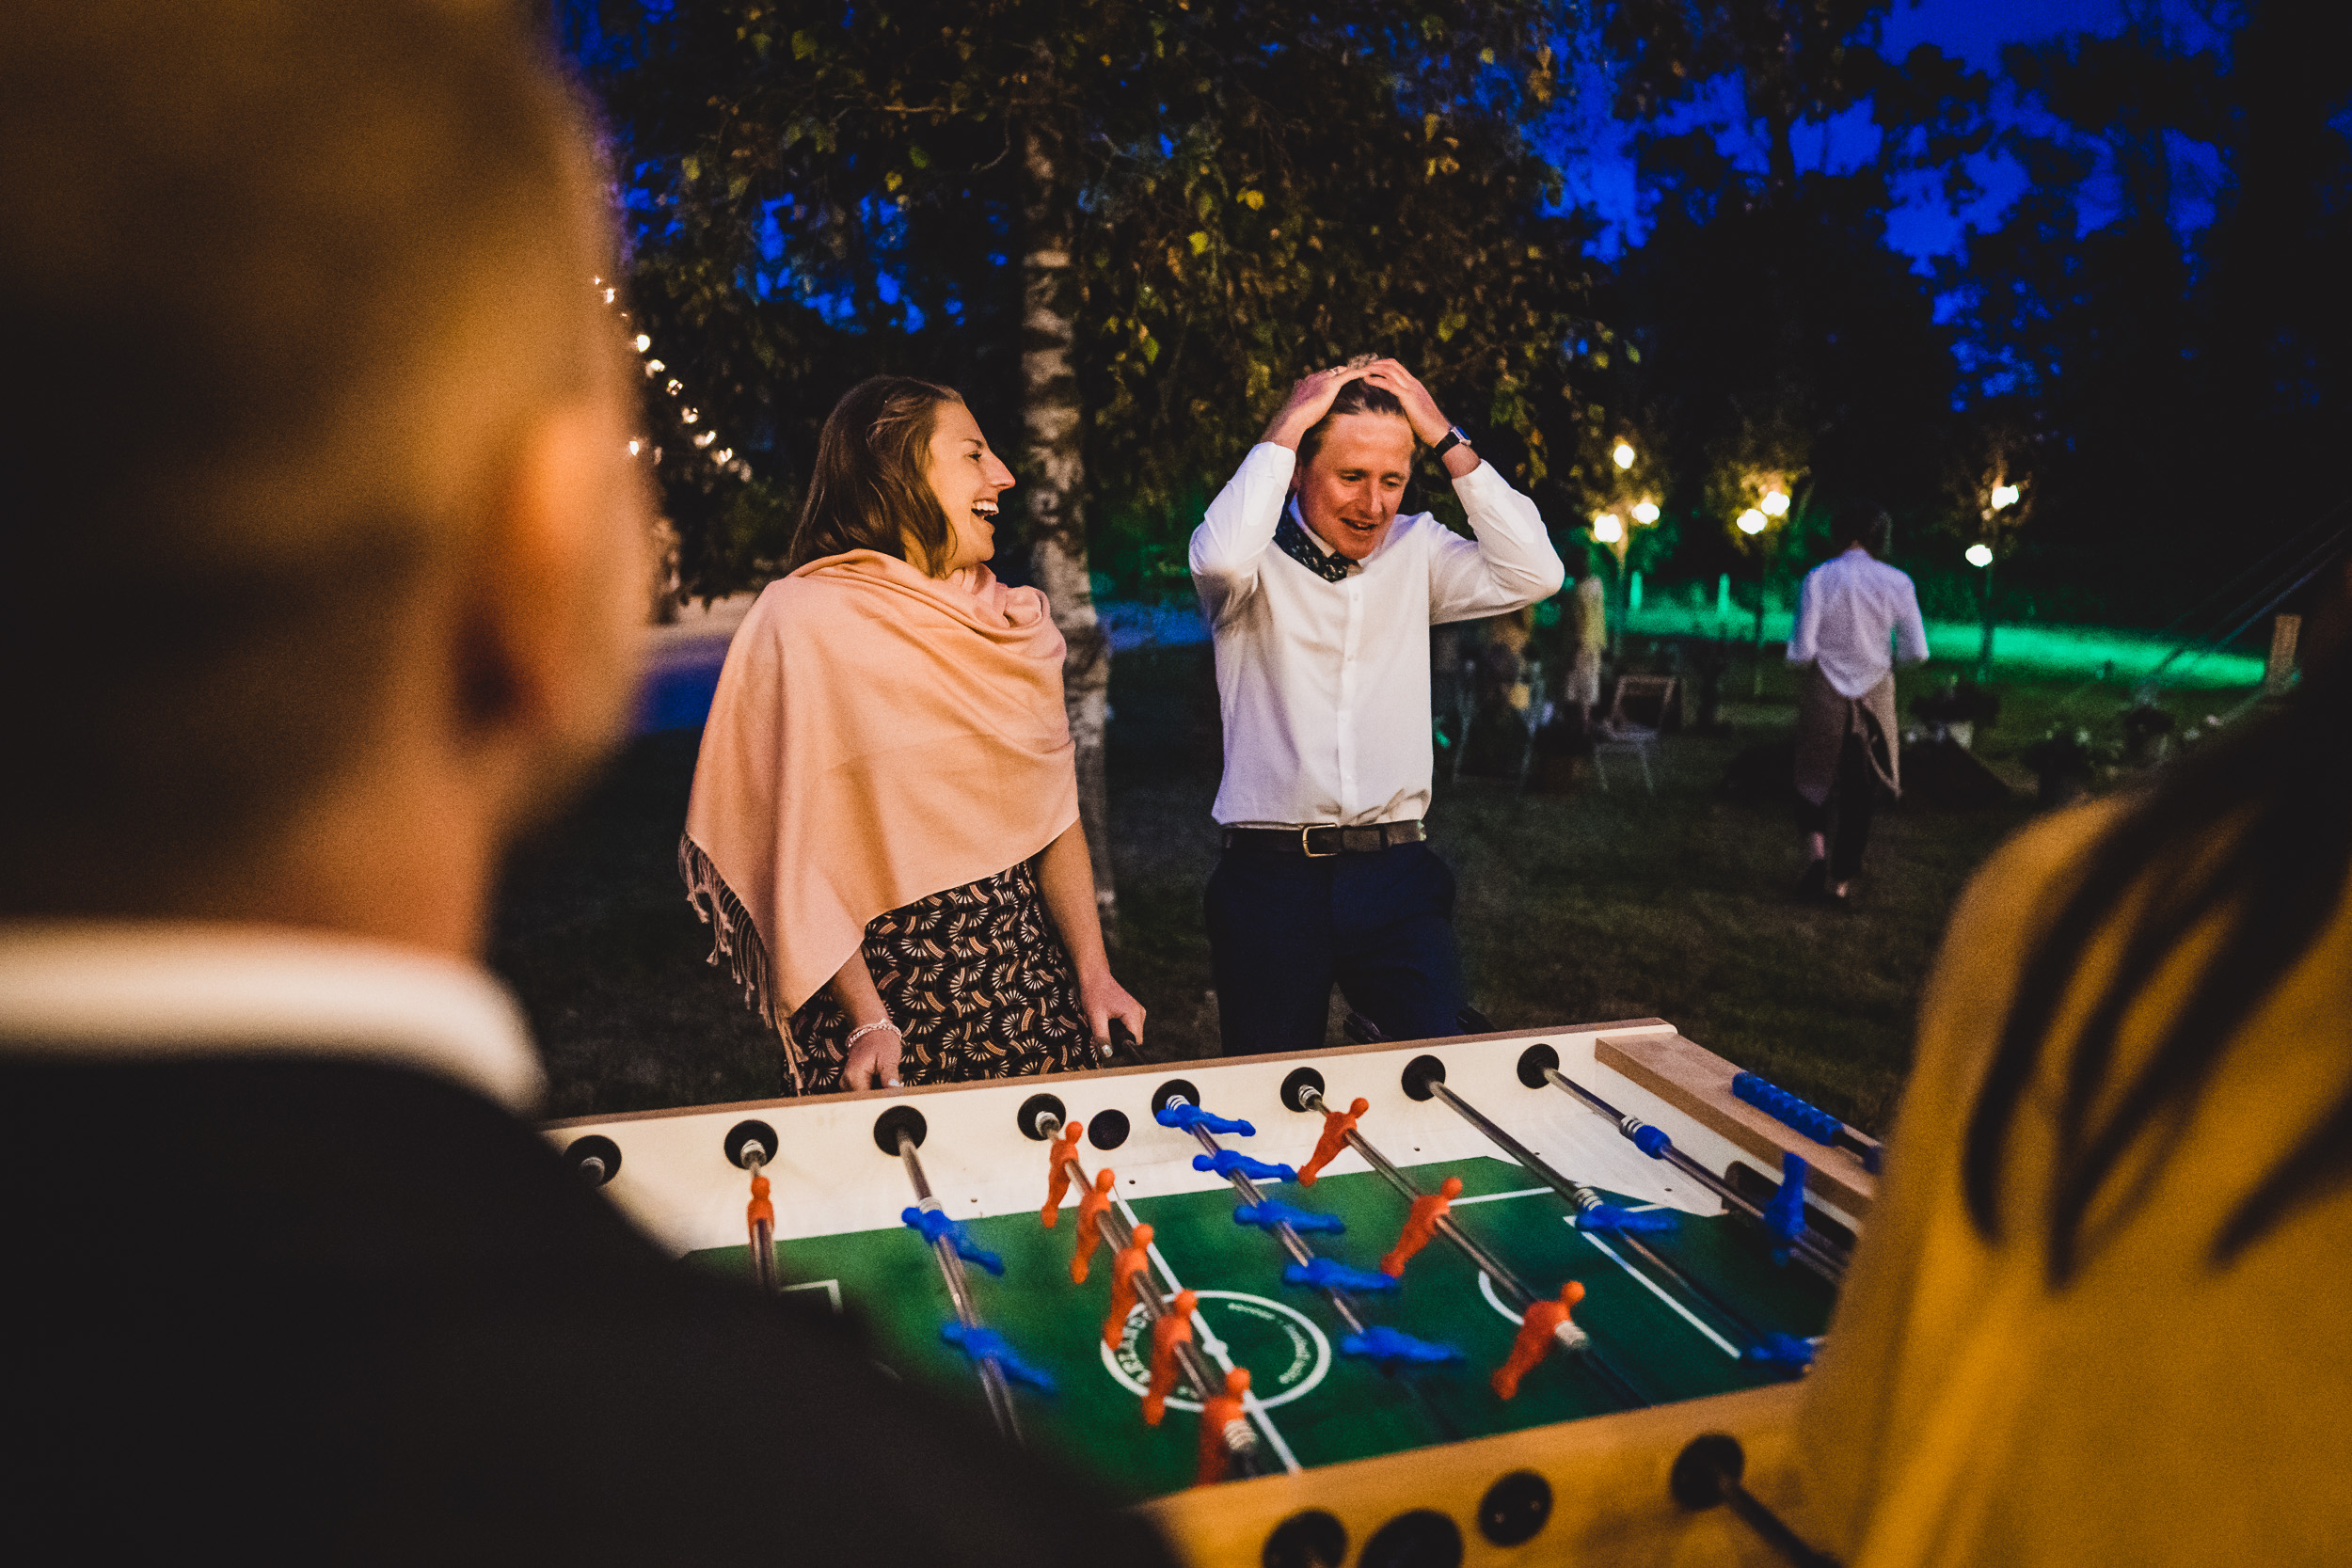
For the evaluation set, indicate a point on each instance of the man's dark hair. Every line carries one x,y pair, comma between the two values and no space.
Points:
1866,524
870,488
1358,397
284,282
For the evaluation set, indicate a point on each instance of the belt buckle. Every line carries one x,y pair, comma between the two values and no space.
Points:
1306,846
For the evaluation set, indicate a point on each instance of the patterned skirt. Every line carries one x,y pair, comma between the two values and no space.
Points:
977,978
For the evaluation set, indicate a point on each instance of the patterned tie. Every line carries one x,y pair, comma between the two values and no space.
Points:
1293,541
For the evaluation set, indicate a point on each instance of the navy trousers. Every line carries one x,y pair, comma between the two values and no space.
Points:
1845,817
1284,928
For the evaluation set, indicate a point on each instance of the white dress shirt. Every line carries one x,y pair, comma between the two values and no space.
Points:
156,992
1848,610
1325,686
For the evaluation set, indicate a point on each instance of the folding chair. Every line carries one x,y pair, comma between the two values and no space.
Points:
1623,730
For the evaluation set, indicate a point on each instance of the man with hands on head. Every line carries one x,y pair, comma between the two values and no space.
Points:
1319,598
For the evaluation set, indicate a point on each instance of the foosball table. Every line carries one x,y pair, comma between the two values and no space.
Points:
1535,1296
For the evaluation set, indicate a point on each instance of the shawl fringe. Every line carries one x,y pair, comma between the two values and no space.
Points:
735,938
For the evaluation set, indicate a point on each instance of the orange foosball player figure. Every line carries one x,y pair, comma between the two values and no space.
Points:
760,1209
1057,1167
1420,1226
1218,1412
1535,1337
1174,1329
1337,1125
1130,1262
1091,1208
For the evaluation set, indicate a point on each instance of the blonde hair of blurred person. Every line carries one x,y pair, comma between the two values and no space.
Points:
327,547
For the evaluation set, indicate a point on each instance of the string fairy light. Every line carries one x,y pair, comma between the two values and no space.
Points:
723,459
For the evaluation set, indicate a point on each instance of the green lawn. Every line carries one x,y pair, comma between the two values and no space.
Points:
1587,905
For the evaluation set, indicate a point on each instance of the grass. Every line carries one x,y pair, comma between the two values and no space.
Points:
1573,908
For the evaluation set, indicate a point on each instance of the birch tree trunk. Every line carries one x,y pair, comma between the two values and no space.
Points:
1053,471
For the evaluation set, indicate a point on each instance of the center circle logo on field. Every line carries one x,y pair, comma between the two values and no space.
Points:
1487,1289
1286,1353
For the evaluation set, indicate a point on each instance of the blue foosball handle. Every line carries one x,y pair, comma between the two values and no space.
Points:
1607,1219
1781,1350
986,1344
1784,1217
1185,1117
1226,1161
1330,1273
933,1224
1384,1344
1773,1101
1273,1212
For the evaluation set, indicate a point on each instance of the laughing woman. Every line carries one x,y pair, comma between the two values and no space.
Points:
884,824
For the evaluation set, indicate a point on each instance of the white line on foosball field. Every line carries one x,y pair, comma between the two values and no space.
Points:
1651,1285
1216,1347
1648,1284
1498,1197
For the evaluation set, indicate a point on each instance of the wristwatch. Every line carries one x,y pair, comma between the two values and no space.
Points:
1454,437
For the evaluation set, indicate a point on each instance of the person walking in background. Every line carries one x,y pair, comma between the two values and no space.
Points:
1319,599
1852,608
883,830
1588,640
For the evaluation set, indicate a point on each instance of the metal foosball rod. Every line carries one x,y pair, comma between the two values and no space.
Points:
1304,1258
763,1225
994,1388
749,1146
1535,1072
1709,1471
1240,1441
1571,1337
1292,1242
1426,1074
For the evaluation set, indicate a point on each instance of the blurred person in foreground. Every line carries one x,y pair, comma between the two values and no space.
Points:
326,569
1850,609
2097,1315
1320,599
884,831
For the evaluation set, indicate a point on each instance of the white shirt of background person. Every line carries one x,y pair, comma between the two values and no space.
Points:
1325,686
1849,610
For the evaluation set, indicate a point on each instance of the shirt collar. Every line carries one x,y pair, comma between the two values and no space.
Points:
1297,541
1349,566
134,991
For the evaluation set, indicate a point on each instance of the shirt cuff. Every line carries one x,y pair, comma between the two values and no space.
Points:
1269,457
1478,480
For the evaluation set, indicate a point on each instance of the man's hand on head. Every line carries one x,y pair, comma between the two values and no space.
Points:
1309,400
1421,409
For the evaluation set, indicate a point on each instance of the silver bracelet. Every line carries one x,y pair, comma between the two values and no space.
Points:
861,1030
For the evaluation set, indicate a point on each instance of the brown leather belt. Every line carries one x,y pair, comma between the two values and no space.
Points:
1320,843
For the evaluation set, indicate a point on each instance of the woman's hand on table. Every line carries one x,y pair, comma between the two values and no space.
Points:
1104,999
873,1061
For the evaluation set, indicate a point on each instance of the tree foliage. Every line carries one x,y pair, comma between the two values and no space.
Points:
1777,338
822,192
2160,325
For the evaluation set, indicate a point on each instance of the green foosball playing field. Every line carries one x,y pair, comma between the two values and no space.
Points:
1320,1405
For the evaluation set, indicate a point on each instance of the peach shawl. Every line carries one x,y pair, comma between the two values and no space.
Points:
876,737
